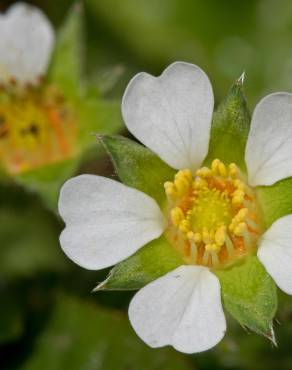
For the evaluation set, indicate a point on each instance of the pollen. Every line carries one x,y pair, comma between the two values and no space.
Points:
213,215
37,127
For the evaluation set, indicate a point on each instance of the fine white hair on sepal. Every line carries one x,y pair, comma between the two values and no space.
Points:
268,152
182,309
275,252
26,43
171,114
106,221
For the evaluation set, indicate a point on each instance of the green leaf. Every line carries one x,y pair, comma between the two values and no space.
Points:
149,263
275,200
138,167
250,295
11,316
67,62
84,336
230,128
28,237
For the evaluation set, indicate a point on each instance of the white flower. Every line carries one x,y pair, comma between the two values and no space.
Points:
107,221
26,42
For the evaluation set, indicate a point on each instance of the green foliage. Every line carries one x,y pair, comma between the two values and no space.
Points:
28,238
250,295
66,66
11,316
275,200
149,263
47,180
138,167
83,336
230,128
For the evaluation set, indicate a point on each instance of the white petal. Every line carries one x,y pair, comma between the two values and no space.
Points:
269,146
275,252
182,309
26,43
172,113
106,221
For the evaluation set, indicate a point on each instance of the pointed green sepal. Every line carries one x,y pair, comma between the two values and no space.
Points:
138,167
275,200
66,66
230,127
250,295
152,261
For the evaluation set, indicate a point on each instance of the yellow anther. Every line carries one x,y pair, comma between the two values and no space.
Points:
212,247
206,237
177,216
181,185
184,226
199,183
204,172
237,200
241,215
231,226
220,235
239,184
214,166
168,184
222,169
197,237
190,235
187,174
240,229
233,171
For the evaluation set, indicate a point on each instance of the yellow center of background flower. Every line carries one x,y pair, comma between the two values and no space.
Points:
37,127
213,215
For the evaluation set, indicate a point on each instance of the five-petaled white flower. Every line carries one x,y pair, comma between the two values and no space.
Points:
26,43
211,215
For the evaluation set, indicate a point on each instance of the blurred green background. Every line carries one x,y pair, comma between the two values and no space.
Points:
49,320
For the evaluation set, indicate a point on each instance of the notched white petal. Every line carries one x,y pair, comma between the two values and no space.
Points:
106,221
275,252
269,145
172,113
182,309
26,43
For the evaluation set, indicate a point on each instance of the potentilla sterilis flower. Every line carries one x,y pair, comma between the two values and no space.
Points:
212,218
37,124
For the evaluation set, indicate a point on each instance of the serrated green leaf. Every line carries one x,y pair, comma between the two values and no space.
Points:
250,295
230,127
138,167
149,263
275,200
66,66
82,335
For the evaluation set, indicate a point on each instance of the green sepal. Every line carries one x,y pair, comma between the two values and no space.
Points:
66,66
250,295
152,261
138,167
230,128
275,200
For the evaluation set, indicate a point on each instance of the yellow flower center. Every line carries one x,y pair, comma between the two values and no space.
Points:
213,215
37,127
